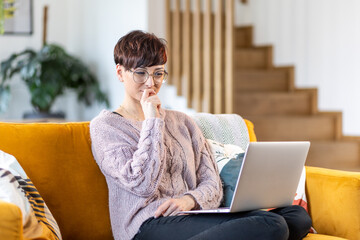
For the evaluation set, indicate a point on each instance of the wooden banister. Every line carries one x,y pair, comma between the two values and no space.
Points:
229,56
186,53
208,53
197,58
218,56
176,47
201,51
169,38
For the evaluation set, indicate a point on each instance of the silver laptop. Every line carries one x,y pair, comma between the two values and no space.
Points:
268,177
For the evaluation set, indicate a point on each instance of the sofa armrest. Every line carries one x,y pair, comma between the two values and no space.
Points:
10,221
250,127
334,201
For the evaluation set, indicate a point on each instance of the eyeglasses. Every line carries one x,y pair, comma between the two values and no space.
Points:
141,76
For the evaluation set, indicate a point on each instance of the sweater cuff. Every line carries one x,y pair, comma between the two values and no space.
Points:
197,206
197,198
152,124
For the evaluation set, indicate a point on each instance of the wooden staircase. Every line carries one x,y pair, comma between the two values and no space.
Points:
219,70
267,96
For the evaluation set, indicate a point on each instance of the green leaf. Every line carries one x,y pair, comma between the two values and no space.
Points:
48,72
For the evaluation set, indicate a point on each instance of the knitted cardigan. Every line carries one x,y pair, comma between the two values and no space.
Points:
146,163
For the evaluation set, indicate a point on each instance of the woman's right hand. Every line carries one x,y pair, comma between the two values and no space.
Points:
173,206
150,104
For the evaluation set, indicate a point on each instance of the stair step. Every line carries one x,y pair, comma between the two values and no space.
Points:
299,102
342,155
243,37
275,79
254,57
321,126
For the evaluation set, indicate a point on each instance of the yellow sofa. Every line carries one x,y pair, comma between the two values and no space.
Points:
57,157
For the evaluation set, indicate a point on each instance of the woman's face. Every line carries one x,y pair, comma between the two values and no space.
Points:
132,79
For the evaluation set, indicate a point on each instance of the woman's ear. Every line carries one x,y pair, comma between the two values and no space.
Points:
119,72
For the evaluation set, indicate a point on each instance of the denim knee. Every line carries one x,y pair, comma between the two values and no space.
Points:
299,227
306,221
278,228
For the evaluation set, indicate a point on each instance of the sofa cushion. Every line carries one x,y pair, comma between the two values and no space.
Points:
10,221
17,188
224,128
58,159
312,236
333,197
229,159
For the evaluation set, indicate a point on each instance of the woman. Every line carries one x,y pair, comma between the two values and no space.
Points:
157,163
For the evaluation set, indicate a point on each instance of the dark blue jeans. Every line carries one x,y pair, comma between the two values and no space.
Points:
291,222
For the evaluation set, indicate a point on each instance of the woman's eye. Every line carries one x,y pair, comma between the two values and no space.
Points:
158,74
140,73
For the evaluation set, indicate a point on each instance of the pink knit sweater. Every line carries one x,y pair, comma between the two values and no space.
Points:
146,163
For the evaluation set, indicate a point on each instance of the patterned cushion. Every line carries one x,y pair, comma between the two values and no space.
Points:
17,188
229,159
223,128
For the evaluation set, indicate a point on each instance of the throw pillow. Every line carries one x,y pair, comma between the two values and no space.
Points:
17,188
229,159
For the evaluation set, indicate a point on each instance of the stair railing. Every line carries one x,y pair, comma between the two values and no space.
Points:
200,42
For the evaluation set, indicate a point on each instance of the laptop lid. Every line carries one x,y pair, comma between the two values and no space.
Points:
269,175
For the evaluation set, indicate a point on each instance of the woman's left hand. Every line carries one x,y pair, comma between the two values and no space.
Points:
173,206
150,104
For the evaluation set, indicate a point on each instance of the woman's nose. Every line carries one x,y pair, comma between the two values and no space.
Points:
150,81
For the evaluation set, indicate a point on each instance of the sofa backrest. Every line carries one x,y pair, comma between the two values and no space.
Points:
58,160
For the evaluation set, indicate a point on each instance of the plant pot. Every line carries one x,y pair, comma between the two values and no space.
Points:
44,115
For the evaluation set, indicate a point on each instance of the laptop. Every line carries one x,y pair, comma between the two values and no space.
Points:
268,177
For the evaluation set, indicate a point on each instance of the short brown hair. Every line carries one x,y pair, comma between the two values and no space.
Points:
140,49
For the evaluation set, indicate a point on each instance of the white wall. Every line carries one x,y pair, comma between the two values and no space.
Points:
322,39
10,43
88,29
97,27
157,25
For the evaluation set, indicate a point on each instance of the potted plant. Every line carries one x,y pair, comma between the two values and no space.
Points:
47,73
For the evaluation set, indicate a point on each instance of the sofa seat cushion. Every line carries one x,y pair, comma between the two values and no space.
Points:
58,160
312,236
17,188
10,221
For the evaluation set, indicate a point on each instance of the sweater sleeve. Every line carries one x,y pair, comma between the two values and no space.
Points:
135,167
208,192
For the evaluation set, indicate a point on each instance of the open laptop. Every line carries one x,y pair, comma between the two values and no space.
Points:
268,177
